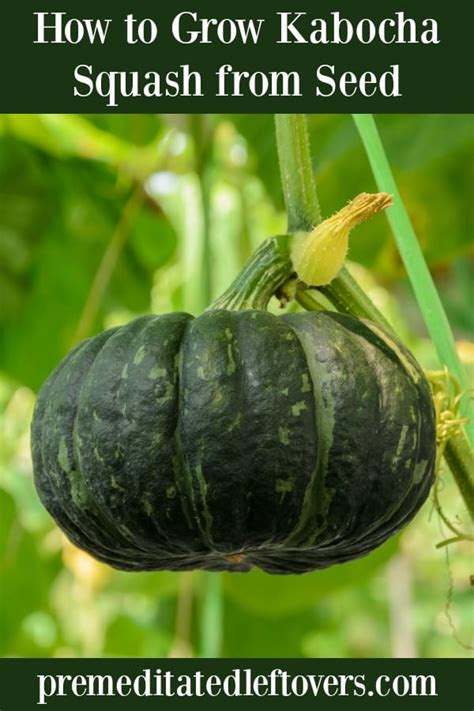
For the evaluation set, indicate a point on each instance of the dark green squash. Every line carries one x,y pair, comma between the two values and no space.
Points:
235,439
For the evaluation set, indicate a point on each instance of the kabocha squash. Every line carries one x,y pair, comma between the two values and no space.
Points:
235,439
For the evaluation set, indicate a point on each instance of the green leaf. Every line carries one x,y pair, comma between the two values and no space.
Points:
66,135
158,585
247,633
55,239
20,566
153,240
129,636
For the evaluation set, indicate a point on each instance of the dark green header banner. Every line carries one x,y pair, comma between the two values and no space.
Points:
377,684
313,57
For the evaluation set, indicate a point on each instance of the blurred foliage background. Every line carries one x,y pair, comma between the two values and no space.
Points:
103,218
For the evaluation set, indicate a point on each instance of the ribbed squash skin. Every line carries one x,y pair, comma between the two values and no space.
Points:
233,440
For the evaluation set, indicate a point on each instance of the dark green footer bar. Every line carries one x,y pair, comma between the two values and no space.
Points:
238,683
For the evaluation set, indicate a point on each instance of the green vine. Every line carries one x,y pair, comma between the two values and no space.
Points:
296,171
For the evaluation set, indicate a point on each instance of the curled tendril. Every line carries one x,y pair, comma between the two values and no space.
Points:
447,395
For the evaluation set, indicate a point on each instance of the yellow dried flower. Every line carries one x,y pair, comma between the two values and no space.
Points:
318,256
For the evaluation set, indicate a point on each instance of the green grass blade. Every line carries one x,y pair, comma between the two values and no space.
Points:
422,283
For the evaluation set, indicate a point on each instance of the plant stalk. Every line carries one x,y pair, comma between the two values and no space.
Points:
348,297
202,135
459,457
299,190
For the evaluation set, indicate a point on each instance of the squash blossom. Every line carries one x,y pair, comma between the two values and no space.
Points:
318,256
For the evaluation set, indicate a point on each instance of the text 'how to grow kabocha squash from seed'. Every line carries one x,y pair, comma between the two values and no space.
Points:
236,439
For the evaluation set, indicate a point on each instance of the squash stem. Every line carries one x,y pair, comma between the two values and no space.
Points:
267,269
